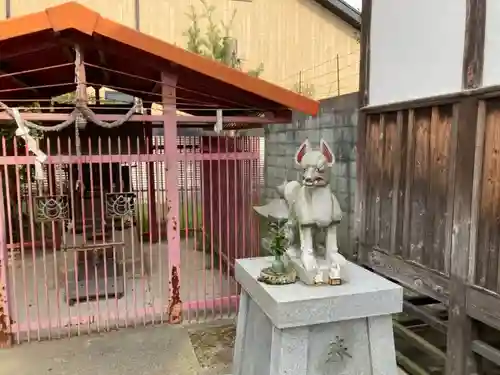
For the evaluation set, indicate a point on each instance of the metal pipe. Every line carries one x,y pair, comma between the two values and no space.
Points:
7,9
137,10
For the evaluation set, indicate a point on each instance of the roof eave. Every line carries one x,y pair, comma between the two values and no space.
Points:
344,11
74,16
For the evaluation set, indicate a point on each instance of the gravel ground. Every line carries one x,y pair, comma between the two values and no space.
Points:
213,346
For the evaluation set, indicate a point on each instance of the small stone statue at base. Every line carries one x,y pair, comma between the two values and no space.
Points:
313,214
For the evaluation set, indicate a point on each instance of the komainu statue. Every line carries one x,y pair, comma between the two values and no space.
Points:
313,216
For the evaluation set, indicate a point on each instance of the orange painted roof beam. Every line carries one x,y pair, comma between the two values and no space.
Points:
74,16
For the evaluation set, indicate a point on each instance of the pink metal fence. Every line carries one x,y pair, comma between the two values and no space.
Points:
86,249
218,221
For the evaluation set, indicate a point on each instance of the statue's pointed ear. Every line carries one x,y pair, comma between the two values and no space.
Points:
327,152
302,150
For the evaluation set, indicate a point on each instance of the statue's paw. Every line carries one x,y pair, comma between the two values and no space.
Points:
337,258
309,265
292,252
318,279
309,261
334,271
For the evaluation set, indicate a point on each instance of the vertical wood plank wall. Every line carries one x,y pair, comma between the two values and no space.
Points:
429,204
487,247
407,177
432,212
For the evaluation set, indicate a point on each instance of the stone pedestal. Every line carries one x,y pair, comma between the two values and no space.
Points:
315,330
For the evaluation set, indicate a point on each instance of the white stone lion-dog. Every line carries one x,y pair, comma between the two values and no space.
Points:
313,206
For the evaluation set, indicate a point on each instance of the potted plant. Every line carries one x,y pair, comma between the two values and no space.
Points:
277,243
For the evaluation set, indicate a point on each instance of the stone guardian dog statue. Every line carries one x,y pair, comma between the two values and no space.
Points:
314,208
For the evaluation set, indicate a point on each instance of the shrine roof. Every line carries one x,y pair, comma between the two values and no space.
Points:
36,61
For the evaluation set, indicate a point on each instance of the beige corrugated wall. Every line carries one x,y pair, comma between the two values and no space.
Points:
297,40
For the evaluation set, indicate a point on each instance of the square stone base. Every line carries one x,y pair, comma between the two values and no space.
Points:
315,330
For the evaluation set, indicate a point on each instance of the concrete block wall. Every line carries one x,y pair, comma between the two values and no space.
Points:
336,124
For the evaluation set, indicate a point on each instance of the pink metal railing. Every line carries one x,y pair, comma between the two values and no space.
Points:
85,249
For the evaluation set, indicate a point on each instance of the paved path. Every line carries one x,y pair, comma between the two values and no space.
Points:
162,350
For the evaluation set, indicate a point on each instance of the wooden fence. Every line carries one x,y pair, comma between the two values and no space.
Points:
429,189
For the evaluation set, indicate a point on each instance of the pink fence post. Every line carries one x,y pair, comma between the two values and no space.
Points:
153,225
5,320
169,83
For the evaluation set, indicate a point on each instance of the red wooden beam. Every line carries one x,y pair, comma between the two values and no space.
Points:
29,49
18,82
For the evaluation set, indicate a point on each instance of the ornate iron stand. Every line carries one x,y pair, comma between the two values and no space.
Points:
102,267
104,278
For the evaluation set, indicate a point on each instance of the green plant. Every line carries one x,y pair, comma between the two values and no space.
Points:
70,97
215,42
256,72
190,216
204,244
277,241
143,217
357,37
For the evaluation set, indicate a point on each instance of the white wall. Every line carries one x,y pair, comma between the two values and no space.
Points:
491,70
416,48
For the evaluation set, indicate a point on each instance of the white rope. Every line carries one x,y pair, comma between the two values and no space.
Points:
218,123
31,143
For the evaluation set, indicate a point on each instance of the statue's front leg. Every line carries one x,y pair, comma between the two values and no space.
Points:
307,251
293,250
335,259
